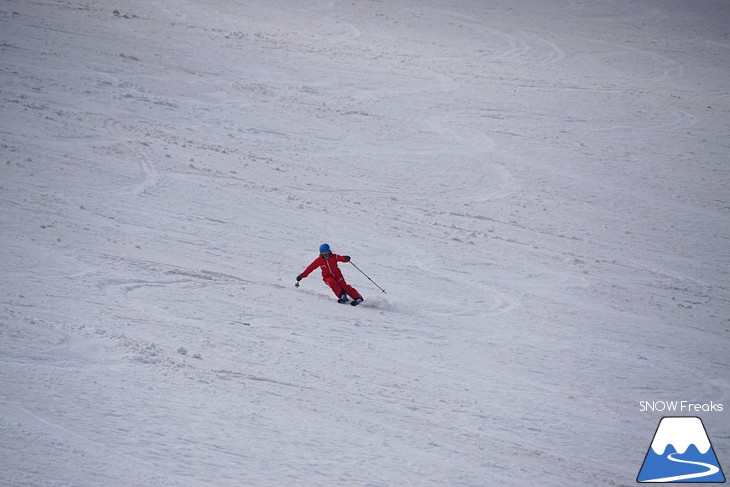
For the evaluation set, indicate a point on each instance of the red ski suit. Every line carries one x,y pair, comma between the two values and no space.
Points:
332,275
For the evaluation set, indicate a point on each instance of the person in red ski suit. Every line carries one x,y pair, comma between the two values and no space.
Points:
332,276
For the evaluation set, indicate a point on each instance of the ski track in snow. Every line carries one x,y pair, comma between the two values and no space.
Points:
541,189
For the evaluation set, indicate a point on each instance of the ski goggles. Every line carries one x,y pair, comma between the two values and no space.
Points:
326,253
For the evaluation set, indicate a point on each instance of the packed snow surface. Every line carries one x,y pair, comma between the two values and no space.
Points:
541,187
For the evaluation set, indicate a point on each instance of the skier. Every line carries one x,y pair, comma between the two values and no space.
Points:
332,276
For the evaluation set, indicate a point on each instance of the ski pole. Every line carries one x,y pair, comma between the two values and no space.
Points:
356,267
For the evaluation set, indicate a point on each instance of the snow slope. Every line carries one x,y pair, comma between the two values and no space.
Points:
540,186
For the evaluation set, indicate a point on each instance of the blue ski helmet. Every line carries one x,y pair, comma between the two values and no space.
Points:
324,247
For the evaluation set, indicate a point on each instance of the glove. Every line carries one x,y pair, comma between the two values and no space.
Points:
300,277
346,257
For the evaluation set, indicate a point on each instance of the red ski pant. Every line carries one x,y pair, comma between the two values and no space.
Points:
340,286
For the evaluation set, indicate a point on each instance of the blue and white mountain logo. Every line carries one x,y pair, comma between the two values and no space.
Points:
681,452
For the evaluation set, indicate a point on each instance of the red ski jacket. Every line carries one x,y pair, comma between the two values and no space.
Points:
328,266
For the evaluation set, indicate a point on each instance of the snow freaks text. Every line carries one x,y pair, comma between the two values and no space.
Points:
679,407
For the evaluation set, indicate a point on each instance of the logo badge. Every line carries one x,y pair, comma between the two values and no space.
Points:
681,452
